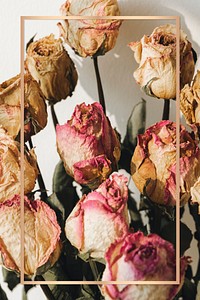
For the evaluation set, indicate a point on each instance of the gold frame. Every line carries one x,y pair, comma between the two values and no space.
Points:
22,41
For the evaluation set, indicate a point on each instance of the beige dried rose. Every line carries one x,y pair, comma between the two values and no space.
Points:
190,101
90,37
10,183
195,193
42,244
156,56
50,65
10,106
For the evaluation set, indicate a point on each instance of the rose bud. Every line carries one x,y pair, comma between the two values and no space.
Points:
34,105
190,101
10,168
100,217
88,145
141,258
156,56
50,65
153,165
41,236
90,37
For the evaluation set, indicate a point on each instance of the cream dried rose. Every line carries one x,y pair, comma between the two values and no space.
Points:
190,101
90,37
50,65
156,56
10,106
88,145
153,165
10,168
100,217
41,236
141,258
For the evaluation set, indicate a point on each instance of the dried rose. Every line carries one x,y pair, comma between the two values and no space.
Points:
190,101
153,165
141,258
50,65
90,37
195,193
156,56
34,105
10,168
41,236
88,145
100,217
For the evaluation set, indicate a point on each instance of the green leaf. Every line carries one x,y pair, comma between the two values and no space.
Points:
61,180
188,291
168,232
135,125
11,278
2,294
147,87
136,220
30,41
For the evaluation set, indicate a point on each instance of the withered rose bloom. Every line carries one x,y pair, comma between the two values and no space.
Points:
195,193
141,258
88,145
10,106
41,236
10,168
190,101
156,56
90,37
100,217
153,165
50,65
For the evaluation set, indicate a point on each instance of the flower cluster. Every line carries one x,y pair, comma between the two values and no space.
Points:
103,224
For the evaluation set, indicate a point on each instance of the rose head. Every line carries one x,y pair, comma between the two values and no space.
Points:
141,258
50,65
41,236
90,37
100,217
156,56
88,145
153,165
34,104
10,168
190,101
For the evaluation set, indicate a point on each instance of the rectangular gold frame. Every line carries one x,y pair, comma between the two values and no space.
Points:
22,41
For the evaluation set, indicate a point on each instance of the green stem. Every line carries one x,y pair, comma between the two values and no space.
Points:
99,84
94,269
54,117
166,109
40,180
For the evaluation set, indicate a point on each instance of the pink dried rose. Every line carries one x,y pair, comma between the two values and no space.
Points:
42,244
50,65
100,217
90,37
10,168
190,101
136,257
88,145
35,111
156,56
153,165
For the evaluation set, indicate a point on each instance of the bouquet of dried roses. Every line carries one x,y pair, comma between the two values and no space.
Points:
91,228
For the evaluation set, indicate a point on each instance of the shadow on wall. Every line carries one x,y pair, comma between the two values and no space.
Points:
117,66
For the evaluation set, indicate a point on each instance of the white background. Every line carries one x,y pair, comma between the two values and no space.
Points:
116,68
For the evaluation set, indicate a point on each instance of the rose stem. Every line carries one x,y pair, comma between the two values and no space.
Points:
45,288
99,85
54,117
193,208
94,269
40,180
166,109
